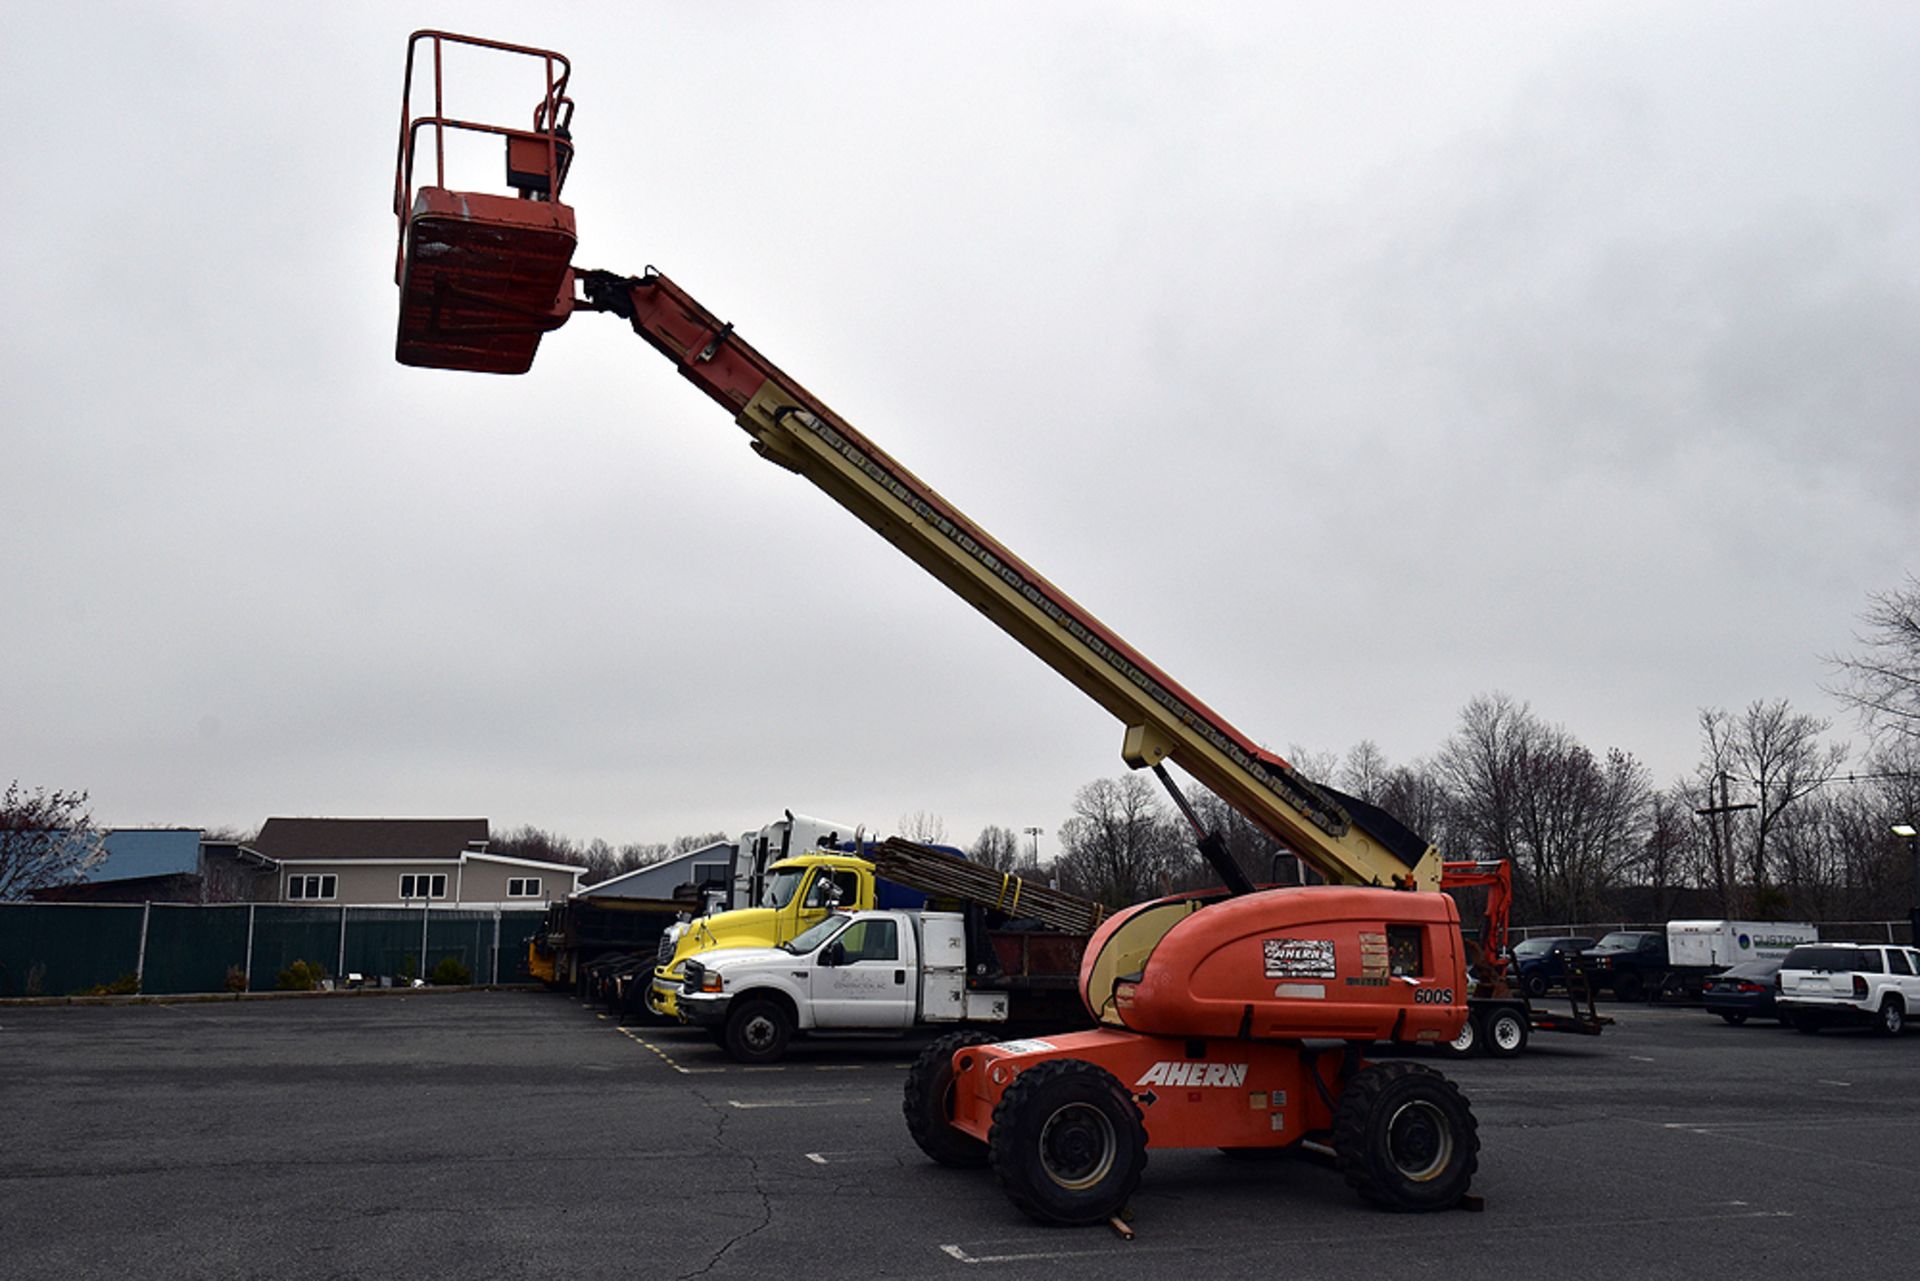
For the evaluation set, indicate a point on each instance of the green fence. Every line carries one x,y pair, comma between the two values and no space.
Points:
66,949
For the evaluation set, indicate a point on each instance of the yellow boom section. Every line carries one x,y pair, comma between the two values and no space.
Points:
1163,721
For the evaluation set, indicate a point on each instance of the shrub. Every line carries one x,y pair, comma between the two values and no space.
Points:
236,979
302,976
451,972
125,985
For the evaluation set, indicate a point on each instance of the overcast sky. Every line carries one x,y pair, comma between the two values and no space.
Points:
1349,360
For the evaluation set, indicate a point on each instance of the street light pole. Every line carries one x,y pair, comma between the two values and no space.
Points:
1911,835
1035,833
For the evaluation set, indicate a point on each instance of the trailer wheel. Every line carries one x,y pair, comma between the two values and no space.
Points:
1405,1138
1507,1030
758,1031
1068,1143
929,1103
1467,1044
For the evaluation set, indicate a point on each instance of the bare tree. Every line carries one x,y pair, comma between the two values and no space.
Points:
1481,769
1365,771
996,847
928,829
528,841
1882,681
1119,846
46,839
1781,752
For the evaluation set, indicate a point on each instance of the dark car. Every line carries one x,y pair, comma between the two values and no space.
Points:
1541,963
1743,992
1628,963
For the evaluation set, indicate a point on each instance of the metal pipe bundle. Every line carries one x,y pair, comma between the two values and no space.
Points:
936,872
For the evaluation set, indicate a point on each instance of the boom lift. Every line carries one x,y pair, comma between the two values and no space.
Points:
1232,1019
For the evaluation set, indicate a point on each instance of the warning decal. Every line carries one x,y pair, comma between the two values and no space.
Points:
1299,958
1373,956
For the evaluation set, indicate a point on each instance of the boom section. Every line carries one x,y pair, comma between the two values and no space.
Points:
790,426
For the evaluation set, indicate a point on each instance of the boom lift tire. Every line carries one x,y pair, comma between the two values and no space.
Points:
758,1031
1405,1138
1068,1143
929,1104
1507,1030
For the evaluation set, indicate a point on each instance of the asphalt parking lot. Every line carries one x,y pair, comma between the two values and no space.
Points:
523,1135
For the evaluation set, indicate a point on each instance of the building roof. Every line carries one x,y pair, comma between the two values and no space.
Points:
623,884
134,852
370,838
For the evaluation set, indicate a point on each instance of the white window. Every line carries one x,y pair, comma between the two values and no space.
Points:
523,887
424,885
312,887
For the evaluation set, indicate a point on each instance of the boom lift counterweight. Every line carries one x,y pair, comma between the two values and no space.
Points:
1211,1007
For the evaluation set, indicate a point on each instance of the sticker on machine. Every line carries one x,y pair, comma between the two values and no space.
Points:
1023,1047
1299,958
1223,1075
1373,956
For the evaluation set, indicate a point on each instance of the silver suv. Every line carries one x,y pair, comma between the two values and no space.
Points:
1820,984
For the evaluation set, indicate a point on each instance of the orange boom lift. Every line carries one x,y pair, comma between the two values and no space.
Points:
1233,1019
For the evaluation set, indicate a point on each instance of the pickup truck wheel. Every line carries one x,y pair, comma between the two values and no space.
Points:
929,1103
1404,1137
1507,1031
1628,987
1893,1017
1536,985
758,1031
1068,1143
1467,1044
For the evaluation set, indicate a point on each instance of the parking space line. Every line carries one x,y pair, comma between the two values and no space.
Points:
796,1103
665,1057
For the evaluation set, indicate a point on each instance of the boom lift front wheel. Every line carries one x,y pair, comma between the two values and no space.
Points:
1405,1138
1068,1143
929,1103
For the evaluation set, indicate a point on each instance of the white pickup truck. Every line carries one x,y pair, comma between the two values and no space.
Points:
877,971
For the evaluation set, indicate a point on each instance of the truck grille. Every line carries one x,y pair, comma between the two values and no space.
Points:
664,952
690,981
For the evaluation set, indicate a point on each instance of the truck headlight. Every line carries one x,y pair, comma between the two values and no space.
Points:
711,982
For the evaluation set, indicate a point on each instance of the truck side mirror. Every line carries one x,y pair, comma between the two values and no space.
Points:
834,953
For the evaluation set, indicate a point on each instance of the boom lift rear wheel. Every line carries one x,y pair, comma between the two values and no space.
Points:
1405,1138
1068,1143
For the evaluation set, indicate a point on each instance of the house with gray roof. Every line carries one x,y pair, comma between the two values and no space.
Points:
404,862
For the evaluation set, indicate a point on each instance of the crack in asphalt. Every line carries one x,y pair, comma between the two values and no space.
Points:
723,1116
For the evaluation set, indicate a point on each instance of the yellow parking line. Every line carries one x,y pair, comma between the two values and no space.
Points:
665,1057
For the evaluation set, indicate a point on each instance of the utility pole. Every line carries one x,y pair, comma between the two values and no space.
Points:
1723,848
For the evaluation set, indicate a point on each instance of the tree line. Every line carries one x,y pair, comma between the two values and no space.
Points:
1773,821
